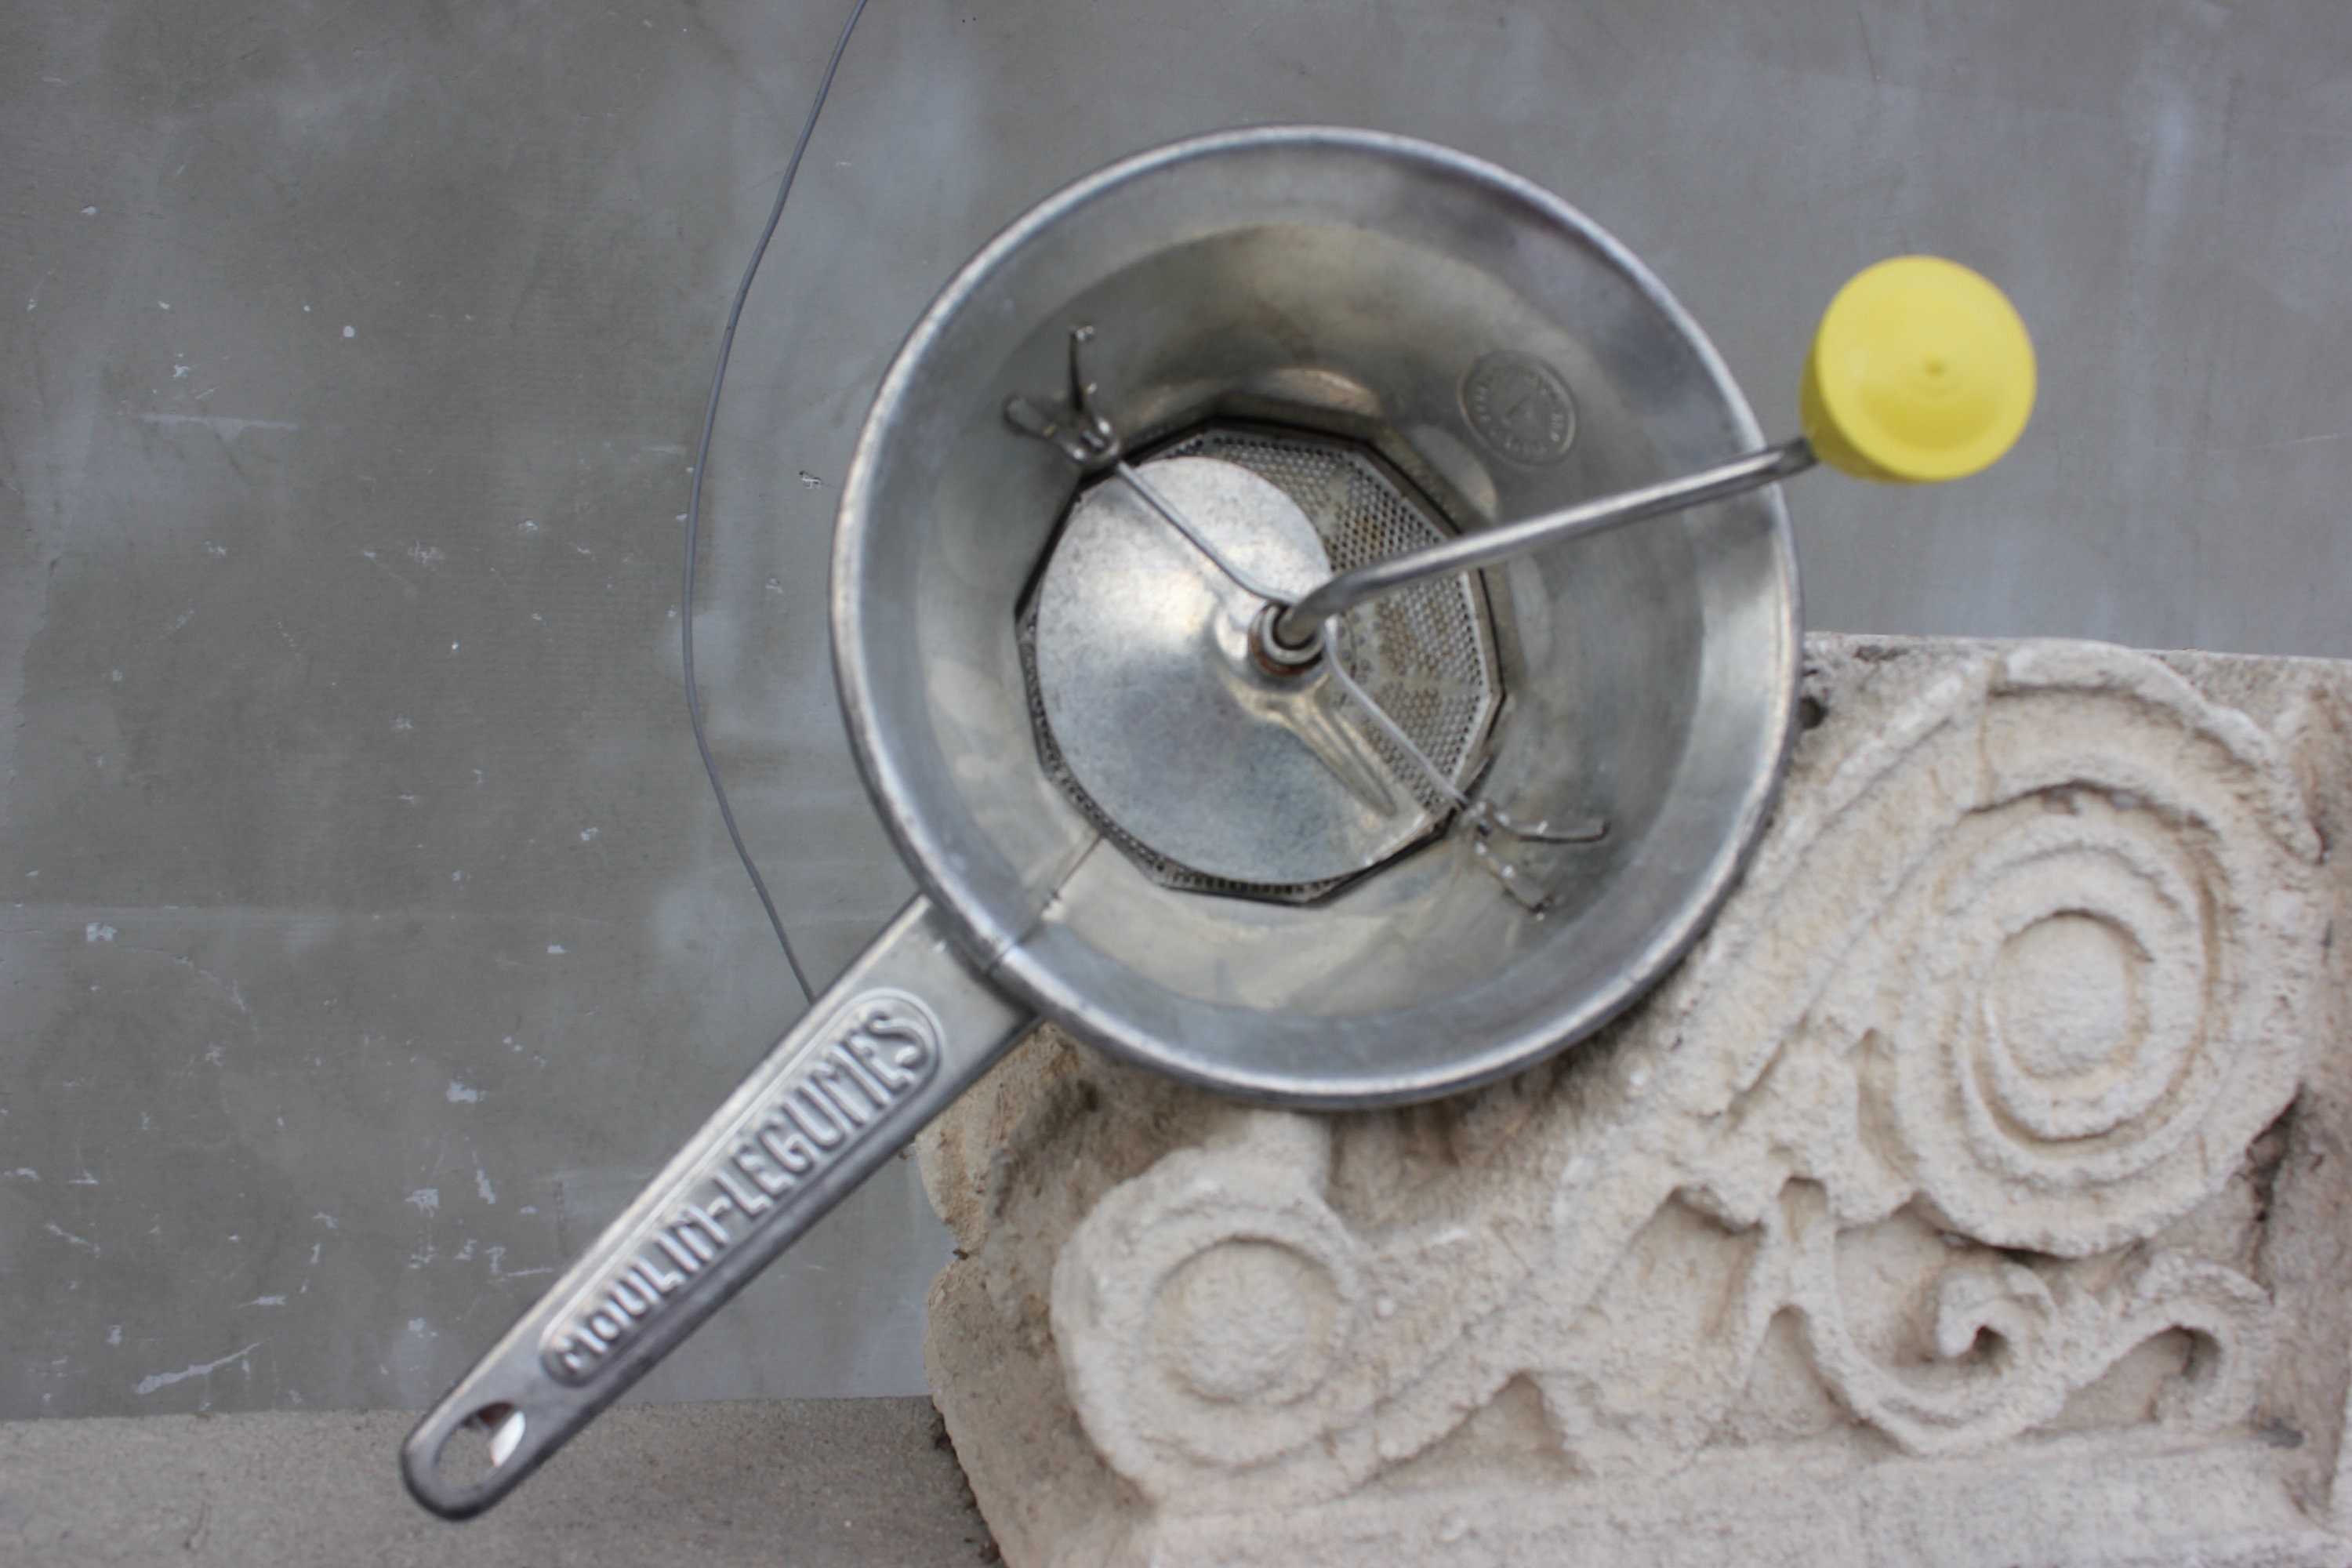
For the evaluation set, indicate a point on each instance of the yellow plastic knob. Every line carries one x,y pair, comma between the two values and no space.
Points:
1921,371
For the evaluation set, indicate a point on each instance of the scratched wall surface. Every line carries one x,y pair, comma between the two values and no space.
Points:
365,934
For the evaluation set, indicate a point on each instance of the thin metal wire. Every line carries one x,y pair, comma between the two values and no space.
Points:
1480,810
694,508
1193,536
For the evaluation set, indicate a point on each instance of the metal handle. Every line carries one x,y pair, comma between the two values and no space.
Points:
900,1035
1296,627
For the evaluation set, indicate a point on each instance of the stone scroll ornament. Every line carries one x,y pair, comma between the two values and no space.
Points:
1928,1135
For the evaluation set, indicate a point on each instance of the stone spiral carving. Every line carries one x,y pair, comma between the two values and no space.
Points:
1955,1128
2055,1026
2053,1336
2077,1048
1205,1305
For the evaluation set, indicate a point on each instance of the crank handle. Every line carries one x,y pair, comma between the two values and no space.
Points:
1920,372
1296,627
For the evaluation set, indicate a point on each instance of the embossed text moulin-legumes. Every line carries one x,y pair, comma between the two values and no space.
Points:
882,1046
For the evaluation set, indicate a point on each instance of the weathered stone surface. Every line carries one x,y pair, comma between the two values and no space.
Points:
1975,1193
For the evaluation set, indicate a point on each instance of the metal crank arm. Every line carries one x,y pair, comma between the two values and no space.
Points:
1298,626
897,1038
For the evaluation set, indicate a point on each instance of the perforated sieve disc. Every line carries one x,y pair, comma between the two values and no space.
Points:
1167,731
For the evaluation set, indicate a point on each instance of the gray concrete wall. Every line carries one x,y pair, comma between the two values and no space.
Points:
366,935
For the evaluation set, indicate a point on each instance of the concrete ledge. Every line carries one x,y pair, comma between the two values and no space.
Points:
812,1482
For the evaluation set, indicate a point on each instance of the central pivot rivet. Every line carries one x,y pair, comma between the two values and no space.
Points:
1268,653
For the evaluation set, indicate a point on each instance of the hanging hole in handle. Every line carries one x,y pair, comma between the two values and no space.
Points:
482,1443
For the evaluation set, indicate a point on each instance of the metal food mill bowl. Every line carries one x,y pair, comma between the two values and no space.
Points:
1487,354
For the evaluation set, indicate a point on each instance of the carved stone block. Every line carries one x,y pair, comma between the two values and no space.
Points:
1975,1193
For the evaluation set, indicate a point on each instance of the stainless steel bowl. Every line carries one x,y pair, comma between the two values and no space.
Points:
1350,283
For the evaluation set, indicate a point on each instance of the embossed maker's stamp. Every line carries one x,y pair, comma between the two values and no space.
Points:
1520,406
880,1048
